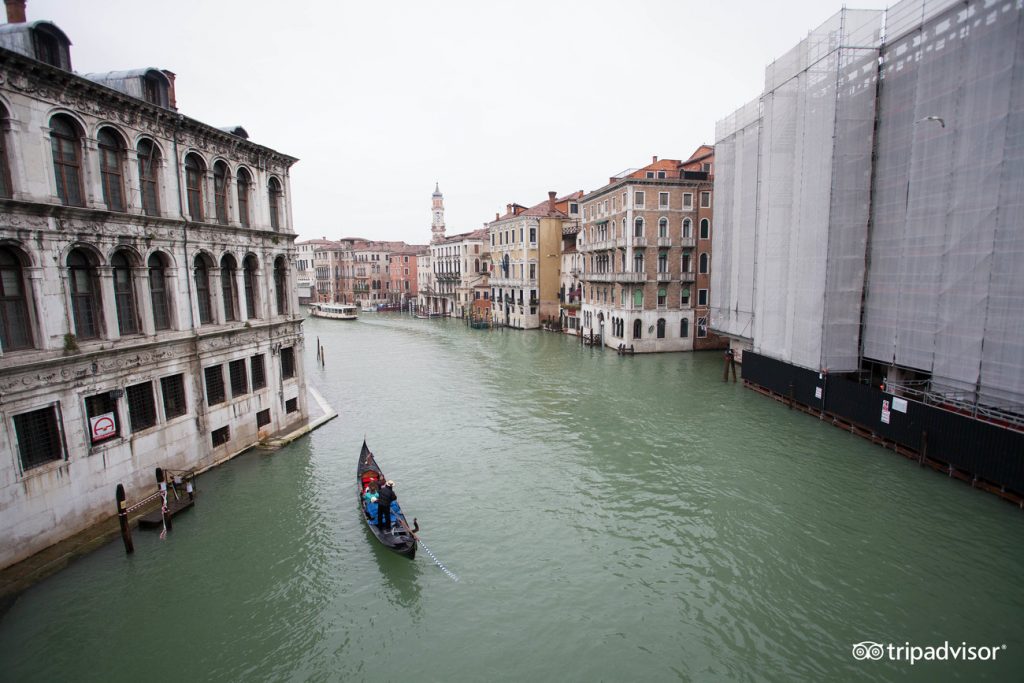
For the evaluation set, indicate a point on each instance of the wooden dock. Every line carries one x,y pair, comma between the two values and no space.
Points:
154,518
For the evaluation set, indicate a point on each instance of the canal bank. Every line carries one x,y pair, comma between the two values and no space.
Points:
609,518
20,576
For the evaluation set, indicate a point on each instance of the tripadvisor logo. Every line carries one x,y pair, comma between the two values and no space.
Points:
871,651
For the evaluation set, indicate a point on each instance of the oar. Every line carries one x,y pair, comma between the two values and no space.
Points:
405,525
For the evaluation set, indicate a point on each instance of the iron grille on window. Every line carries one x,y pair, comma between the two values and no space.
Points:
141,406
291,405
220,436
38,436
262,418
259,375
287,362
173,388
239,382
214,385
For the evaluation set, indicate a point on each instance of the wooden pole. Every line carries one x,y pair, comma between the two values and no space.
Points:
122,518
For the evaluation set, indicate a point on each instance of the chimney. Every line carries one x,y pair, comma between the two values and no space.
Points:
551,196
497,215
654,160
15,11
508,208
172,101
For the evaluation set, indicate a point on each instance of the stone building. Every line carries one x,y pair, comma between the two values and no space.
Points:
646,246
147,295
403,284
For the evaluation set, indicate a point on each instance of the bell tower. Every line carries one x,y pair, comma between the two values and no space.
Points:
437,222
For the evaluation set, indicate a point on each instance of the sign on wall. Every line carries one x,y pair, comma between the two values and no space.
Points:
102,427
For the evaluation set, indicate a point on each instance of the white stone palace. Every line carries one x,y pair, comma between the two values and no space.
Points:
148,315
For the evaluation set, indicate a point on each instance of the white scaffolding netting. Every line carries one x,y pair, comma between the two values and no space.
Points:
817,118
945,287
732,279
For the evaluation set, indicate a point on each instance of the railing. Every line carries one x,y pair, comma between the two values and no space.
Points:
664,277
664,241
639,241
600,277
631,277
687,242
686,276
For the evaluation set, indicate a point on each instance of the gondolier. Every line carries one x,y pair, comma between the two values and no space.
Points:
386,497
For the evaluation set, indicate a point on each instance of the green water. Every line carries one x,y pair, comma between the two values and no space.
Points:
609,518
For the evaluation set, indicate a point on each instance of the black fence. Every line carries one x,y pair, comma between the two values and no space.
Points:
985,450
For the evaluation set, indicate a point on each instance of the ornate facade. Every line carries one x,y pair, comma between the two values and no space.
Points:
148,315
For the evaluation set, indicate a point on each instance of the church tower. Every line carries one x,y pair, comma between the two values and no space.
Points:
437,223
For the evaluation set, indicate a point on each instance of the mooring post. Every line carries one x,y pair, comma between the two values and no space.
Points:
924,448
162,483
122,518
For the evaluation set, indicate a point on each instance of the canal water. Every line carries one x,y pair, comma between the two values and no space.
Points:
608,518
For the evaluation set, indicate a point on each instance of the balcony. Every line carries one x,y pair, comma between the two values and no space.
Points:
631,277
600,277
664,277
686,276
639,241
687,242
664,241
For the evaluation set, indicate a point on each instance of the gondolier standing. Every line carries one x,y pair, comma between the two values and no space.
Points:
387,496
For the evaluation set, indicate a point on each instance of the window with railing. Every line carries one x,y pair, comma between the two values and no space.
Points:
141,406
39,438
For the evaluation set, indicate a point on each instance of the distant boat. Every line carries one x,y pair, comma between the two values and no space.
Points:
400,539
368,308
335,311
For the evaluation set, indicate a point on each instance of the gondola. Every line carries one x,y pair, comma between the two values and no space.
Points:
400,539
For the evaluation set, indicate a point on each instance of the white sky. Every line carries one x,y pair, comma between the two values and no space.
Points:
498,101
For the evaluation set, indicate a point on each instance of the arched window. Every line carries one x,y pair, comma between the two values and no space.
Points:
638,328
66,145
280,281
703,264
15,327
220,191
202,278
638,262
149,161
661,328
687,227
663,227
124,294
227,285
158,292
274,191
249,276
111,151
684,328
5,169
705,228
638,298
194,171
85,294
243,183
638,227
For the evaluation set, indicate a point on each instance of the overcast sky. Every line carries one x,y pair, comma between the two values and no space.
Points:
497,101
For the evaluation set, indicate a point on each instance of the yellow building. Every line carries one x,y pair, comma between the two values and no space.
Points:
526,246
